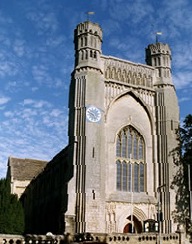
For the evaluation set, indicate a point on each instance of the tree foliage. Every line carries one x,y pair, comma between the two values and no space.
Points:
11,210
186,140
183,157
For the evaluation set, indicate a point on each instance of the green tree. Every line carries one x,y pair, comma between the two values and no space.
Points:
183,157
11,210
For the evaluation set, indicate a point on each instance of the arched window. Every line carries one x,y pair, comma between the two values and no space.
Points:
130,161
91,40
85,41
118,180
142,180
124,174
82,55
136,177
86,54
129,177
130,142
155,61
135,148
81,41
124,145
118,147
95,54
141,148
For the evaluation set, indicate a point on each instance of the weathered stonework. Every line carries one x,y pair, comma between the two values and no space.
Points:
117,166
127,94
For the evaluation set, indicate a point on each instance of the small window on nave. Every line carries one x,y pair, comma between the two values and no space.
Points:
130,161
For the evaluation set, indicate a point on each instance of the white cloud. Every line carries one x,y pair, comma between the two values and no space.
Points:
7,114
19,47
35,88
34,129
4,100
8,68
5,40
44,22
182,55
132,10
41,74
182,79
36,103
184,99
55,41
4,19
56,112
175,17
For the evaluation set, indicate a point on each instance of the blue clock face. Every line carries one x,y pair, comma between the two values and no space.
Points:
93,114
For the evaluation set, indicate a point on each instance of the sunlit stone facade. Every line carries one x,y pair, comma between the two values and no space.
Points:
117,166
122,122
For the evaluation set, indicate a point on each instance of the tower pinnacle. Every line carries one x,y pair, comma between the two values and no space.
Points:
88,40
158,55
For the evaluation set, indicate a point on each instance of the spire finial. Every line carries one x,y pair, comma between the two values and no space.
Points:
88,14
158,34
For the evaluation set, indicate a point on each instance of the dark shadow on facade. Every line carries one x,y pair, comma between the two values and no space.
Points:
45,199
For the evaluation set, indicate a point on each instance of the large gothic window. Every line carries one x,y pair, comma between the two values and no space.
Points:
130,160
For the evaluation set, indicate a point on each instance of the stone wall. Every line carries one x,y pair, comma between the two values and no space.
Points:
45,198
11,239
115,238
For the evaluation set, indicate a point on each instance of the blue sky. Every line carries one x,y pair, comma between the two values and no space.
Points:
37,57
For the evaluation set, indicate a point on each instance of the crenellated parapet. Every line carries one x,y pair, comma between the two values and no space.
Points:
94,238
88,41
89,27
160,48
159,55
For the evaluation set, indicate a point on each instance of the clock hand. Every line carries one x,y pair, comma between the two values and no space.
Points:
92,114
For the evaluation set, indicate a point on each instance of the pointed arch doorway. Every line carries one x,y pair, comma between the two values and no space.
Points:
133,226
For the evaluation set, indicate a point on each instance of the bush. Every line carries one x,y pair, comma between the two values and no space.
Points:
11,210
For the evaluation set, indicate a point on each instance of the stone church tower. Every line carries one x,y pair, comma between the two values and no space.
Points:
122,122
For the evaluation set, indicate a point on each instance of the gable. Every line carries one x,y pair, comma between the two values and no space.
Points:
25,169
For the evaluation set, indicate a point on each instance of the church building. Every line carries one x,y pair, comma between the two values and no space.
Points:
123,118
115,175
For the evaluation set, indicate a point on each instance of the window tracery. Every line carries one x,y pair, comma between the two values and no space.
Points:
130,160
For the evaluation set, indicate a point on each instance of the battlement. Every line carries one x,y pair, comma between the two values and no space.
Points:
159,48
89,27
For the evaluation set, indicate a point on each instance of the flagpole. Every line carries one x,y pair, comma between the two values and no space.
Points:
190,193
158,34
88,14
131,194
